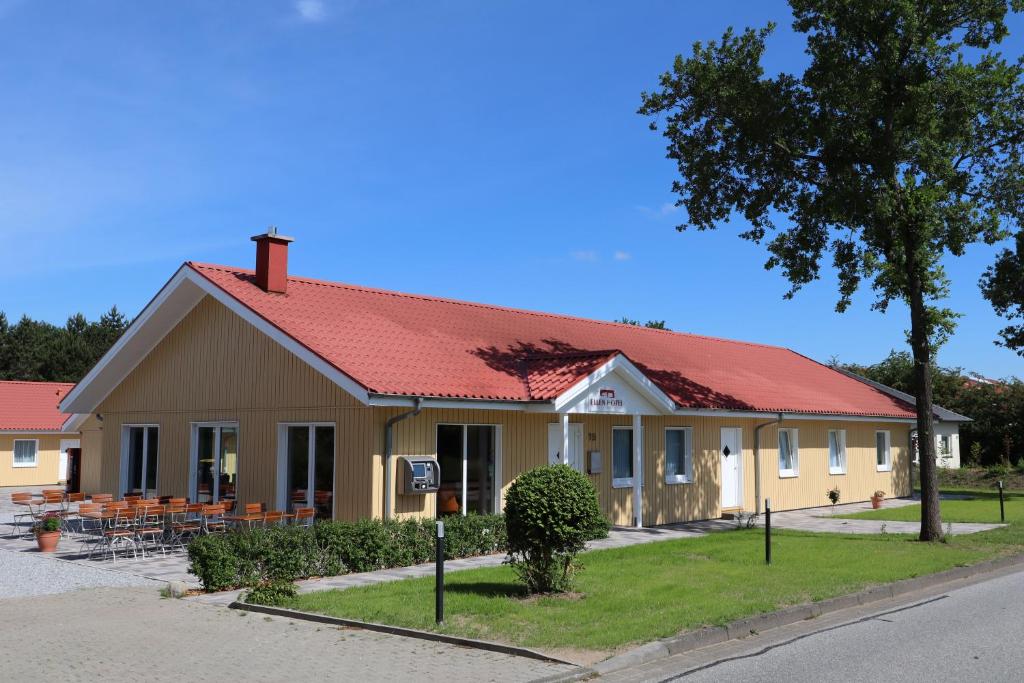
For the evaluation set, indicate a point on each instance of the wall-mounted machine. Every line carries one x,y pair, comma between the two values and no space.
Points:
421,474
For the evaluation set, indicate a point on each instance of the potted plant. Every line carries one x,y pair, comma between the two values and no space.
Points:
876,499
833,497
47,532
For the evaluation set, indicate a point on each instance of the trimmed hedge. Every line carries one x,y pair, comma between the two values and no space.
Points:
263,557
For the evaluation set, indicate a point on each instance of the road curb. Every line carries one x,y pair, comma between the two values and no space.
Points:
401,631
748,626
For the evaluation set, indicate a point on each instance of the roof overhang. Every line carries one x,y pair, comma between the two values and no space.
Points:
171,304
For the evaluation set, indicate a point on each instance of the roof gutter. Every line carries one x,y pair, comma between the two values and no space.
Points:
757,461
388,446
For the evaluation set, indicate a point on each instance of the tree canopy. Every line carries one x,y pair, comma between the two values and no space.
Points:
39,351
901,143
653,324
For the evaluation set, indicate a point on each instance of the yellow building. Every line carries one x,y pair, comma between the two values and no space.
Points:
34,451
259,386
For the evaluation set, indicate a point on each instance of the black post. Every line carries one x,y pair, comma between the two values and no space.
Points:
768,531
439,577
1002,512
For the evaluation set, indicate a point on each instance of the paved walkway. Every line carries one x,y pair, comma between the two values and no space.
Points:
826,520
133,634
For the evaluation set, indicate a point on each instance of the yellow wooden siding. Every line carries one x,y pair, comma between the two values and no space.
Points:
216,367
47,467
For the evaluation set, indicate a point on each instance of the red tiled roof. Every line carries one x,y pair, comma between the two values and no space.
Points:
405,344
32,406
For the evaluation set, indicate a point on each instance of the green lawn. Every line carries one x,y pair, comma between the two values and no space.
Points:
983,507
641,593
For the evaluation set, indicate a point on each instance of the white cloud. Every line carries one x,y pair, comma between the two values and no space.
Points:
623,256
666,209
584,255
312,11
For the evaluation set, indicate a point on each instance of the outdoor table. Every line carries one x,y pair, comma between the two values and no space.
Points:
239,520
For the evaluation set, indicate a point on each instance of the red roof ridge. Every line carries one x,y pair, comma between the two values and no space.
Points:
476,304
37,382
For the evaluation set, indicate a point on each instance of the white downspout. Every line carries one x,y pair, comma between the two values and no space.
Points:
638,472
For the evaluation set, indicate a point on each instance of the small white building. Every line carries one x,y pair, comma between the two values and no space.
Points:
947,426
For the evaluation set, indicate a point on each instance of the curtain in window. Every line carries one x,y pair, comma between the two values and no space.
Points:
835,451
676,462
24,452
622,453
785,451
881,448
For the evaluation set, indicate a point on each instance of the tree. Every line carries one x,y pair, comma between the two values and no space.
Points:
653,324
900,143
1003,285
34,350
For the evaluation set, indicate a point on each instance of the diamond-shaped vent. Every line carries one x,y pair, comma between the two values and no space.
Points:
726,451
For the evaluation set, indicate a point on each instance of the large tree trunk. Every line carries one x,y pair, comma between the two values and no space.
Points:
931,522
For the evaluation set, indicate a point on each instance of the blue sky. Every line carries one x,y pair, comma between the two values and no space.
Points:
479,150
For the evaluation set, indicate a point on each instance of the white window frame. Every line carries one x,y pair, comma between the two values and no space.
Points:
622,482
282,462
35,453
193,457
944,452
687,476
794,445
887,465
126,446
499,482
841,443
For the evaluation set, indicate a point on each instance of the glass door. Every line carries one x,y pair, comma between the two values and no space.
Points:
467,455
309,468
215,463
143,445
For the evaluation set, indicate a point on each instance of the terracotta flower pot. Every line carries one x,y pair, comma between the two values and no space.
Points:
47,541
876,503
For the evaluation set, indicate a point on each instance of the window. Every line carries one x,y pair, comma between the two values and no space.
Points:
945,446
214,475
140,450
678,455
308,466
468,457
622,457
25,451
883,455
789,456
837,451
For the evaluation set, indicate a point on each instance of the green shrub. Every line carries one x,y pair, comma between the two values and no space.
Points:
550,514
260,557
997,471
213,560
273,593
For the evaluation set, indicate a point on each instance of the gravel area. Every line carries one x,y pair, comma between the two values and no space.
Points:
25,575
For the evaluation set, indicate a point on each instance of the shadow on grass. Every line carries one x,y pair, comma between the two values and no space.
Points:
488,589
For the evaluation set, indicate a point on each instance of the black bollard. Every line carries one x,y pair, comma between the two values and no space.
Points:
768,531
1002,511
439,576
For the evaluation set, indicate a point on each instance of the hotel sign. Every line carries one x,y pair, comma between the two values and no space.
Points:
605,401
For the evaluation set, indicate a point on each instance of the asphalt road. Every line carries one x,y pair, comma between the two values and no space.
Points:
973,633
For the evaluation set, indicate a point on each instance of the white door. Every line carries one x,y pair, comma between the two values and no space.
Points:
65,444
575,444
732,459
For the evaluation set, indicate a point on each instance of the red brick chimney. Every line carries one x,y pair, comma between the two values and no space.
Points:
272,261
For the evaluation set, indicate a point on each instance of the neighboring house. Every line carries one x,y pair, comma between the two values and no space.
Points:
33,449
259,386
947,426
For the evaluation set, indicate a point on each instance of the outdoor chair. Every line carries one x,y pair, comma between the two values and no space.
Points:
121,533
90,528
149,527
21,500
273,518
180,528
304,517
212,519
102,497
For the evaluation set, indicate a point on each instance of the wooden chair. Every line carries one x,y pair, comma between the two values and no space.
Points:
121,532
304,517
180,528
102,497
22,499
149,527
212,519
